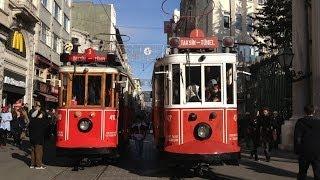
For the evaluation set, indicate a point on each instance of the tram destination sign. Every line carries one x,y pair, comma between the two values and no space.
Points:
196,40
90,55
198,43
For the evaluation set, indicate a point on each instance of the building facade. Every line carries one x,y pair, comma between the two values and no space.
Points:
17,38
98,20
306,44
52,32
222,18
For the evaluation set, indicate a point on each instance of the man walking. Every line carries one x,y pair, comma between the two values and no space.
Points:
37,128
306,136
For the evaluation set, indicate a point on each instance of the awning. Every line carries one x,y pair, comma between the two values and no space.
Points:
49,97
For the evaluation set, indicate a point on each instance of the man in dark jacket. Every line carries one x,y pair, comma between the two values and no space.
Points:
266,130
306,136
37,131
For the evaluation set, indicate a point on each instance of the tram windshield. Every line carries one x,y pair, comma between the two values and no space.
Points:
193,83
212,84
87,90
78,89
94,90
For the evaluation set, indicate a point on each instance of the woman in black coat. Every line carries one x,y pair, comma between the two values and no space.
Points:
18,124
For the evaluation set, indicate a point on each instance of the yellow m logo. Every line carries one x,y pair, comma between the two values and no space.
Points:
18,41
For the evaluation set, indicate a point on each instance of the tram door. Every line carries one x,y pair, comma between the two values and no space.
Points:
158,108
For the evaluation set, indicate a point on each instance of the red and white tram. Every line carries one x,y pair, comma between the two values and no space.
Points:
93,117
194,103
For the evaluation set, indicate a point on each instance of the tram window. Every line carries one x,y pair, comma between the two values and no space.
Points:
213,83
166,88
108,90
193,81
78,89
94,90
229,75
176,84
64,89
159,87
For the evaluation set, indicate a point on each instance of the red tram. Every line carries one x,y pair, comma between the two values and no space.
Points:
194,102
94,111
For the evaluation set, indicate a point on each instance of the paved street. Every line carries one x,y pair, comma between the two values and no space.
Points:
14,165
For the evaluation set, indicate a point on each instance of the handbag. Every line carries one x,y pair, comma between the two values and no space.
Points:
23,135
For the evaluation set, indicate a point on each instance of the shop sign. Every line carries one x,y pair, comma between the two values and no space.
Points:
17,43
14,82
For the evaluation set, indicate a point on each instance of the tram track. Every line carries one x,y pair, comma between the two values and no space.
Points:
60,173
101,172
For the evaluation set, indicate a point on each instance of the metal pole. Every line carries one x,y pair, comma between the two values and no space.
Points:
230,17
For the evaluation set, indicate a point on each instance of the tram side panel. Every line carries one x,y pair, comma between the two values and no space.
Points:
158,127
232,126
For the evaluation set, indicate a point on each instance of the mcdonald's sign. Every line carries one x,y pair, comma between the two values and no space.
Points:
17,43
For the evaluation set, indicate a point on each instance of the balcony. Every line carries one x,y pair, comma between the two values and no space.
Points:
25,10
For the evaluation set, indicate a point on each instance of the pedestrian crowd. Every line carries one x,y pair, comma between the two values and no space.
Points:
18,123
264,131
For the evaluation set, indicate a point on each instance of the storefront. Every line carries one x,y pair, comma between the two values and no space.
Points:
14,87
46,94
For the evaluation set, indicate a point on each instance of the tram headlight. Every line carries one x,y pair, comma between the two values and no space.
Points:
202,131
85,125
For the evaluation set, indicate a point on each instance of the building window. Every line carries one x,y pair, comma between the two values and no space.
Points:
226,21
45,3
57,12
2,4
239,22
44,33
55,43
66,23
249,23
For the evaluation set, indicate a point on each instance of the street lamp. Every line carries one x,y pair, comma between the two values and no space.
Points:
285,58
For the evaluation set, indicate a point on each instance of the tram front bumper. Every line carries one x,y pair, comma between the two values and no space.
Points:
203,147
210,152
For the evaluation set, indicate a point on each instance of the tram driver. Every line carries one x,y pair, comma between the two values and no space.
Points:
213,92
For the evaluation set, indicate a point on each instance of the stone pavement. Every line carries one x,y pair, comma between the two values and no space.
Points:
14,165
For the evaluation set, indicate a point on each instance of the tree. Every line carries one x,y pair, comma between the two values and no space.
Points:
272,27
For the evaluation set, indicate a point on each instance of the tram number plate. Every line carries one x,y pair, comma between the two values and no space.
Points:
233,137
173,138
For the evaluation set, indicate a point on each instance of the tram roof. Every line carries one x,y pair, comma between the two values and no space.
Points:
91,69
210,58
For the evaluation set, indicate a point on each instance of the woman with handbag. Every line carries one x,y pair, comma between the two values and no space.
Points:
18,124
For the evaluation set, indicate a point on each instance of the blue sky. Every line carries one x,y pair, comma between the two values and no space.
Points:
147,19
